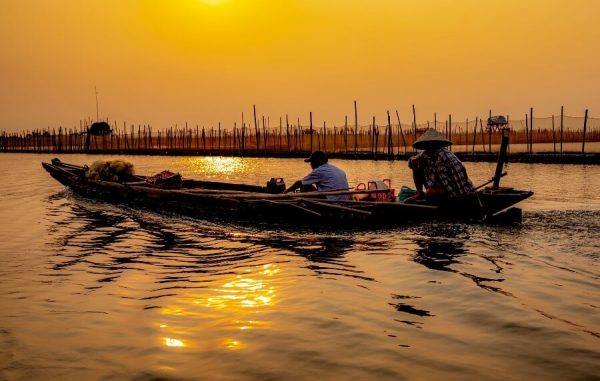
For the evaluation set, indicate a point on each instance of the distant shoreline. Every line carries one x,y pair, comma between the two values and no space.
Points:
517,157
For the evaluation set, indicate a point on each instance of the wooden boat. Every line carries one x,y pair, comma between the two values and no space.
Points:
256,204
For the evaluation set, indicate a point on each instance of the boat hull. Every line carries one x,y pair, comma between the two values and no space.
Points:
259,206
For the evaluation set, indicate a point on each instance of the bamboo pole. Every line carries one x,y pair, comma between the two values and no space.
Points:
334,136
527,132
585,119
450,129
287,132
300,135
482,135
295,138
372,136
132,145
256,132
385,140
501,160
346,134
324,136
414,125
219,139
401,132
490,135
184,136
355,128
553,136
531,129
508,133
390,146
467,136
264,134
374,147
243,141
311,132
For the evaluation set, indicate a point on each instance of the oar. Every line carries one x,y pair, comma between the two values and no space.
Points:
284,196
337,207
58,163
65,170
215,191
490,181
135,183
391,204
306,210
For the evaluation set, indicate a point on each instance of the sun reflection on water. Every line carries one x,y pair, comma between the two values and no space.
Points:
217,165
169,342
233,344
245,291
236,303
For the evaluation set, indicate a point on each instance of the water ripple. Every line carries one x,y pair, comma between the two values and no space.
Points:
99,291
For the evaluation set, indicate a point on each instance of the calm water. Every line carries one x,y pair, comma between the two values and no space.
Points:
92,291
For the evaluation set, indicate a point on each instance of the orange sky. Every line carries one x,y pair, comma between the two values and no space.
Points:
163,62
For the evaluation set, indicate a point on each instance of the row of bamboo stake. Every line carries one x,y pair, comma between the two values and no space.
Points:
379,140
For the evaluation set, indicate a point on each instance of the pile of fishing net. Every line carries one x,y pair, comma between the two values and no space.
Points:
114,170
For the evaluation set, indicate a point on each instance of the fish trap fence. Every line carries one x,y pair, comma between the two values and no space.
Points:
379,140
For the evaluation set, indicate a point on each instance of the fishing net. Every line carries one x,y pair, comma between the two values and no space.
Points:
114,170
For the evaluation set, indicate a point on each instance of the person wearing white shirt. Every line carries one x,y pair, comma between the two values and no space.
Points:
324,176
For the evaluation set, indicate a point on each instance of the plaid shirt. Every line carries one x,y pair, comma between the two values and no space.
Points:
443,169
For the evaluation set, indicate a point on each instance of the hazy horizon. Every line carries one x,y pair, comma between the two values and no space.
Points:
207,61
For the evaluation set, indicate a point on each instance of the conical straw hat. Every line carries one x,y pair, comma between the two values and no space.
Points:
431,138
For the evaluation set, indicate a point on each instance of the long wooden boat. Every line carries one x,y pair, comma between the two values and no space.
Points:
256,204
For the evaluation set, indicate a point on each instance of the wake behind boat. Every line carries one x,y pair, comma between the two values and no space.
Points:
257,204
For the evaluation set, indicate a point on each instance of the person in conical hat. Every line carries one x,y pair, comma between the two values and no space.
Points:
437,172
431,138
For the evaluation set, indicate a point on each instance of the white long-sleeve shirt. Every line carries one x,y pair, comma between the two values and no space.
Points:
328,177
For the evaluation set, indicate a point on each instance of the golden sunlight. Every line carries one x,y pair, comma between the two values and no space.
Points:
233,344
244,293
212,165
204,61
251,290
169,342
237,301
213,2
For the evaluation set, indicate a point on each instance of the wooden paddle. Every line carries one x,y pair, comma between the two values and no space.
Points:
493,179
282,196
299,207
336,207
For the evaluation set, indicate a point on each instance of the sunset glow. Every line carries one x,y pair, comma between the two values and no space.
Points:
212,2
206,61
